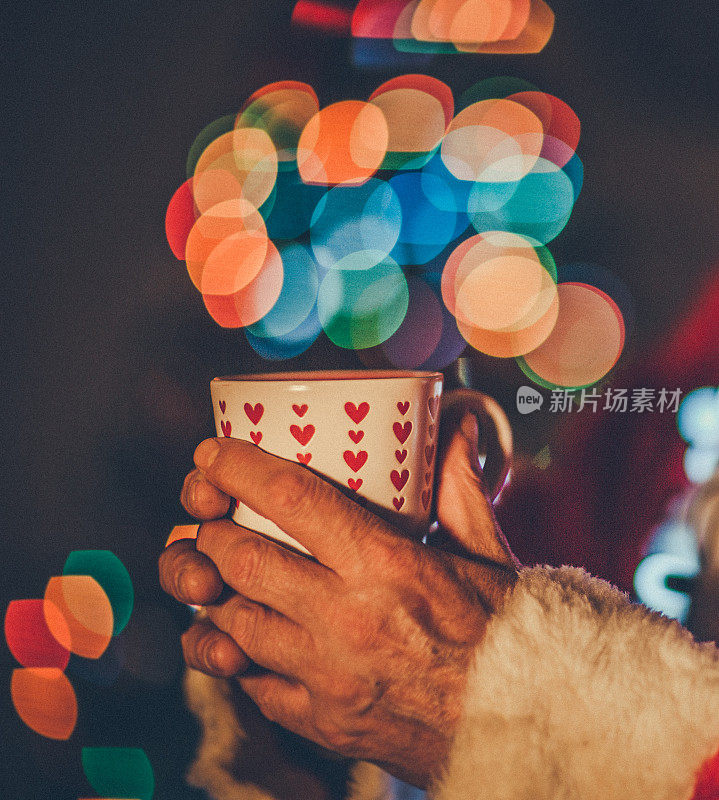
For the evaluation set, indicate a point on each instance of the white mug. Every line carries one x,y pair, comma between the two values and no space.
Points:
372,433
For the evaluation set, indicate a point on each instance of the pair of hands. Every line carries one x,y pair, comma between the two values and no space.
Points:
366,650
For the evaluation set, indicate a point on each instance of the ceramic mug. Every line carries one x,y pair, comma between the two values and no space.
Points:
371,433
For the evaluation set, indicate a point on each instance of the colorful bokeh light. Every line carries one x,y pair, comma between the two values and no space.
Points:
45,701
345,142
299,219
182,532
698,423
30,639
584,344
70,629
107,569
443,26
86,614
119,771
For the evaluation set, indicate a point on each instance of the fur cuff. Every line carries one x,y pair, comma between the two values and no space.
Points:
223,740
576,692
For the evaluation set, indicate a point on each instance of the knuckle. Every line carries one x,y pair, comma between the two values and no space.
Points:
189,583
396,555
244,623
248,561
352,696
190,650
178,573
265,698
336,736
203,534
360,629
206,650
293,491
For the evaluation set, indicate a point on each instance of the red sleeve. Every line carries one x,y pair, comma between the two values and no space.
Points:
707,786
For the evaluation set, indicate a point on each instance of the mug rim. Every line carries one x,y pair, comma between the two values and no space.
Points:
312,376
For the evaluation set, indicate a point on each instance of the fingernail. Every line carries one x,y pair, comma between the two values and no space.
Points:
470,428
206,453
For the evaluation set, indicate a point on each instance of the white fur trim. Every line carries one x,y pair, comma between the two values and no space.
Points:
577,693
369,782
221,739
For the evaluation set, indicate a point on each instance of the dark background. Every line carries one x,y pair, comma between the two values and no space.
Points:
108,350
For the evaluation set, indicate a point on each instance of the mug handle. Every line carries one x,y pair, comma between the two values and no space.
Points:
495,432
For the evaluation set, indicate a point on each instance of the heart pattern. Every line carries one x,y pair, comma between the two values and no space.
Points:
254,413
357,413
303,435
402,432
355,461
399,480
428,453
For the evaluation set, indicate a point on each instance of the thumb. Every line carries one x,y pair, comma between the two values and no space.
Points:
464,509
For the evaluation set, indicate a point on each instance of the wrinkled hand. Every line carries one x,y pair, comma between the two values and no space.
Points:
366,650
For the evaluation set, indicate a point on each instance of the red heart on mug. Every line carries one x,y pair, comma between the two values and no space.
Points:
357,413
402,432
300,410
428,453
303,435
427,477
398,502
223,406
254,413
226,427
355,485
403,408
399,481
400,455
426,497
355,462
433,404
256,436
304,458
356,436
